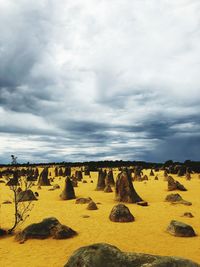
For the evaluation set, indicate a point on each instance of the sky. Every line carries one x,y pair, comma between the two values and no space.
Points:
99,80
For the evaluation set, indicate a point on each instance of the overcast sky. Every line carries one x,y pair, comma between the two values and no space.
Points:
99,80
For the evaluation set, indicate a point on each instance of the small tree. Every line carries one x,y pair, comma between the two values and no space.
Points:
21,208
19,187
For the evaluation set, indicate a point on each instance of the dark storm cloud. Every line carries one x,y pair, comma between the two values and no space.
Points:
120,82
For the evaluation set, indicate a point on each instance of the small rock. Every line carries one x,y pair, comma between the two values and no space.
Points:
180,229
51,189
188,214
142,203
56,186
85,216
83,200
177,199
2,232
92,206
121,213
173,198
7,202
36,194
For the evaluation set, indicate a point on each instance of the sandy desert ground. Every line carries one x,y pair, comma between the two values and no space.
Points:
147,234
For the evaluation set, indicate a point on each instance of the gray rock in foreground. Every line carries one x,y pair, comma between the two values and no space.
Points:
105,255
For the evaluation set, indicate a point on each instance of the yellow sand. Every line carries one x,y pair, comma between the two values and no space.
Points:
147,234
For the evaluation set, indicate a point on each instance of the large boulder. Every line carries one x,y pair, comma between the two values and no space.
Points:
106,255
124,190
68,192
121,213
49,227
181,229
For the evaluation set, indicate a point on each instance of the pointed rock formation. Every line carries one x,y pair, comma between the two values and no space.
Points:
137,174
67,171
101,180
36,173
151,173
87,170
109,178
79,175
56,171
60,172
181,170
26,195
175,185
188,176
145,178
124,190
68,192
15,180
165,175
108,189
43,178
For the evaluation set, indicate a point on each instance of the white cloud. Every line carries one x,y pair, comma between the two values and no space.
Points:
117,62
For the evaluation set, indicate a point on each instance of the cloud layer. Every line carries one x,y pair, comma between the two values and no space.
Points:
90,80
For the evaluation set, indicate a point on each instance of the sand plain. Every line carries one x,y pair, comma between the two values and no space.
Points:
147,234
